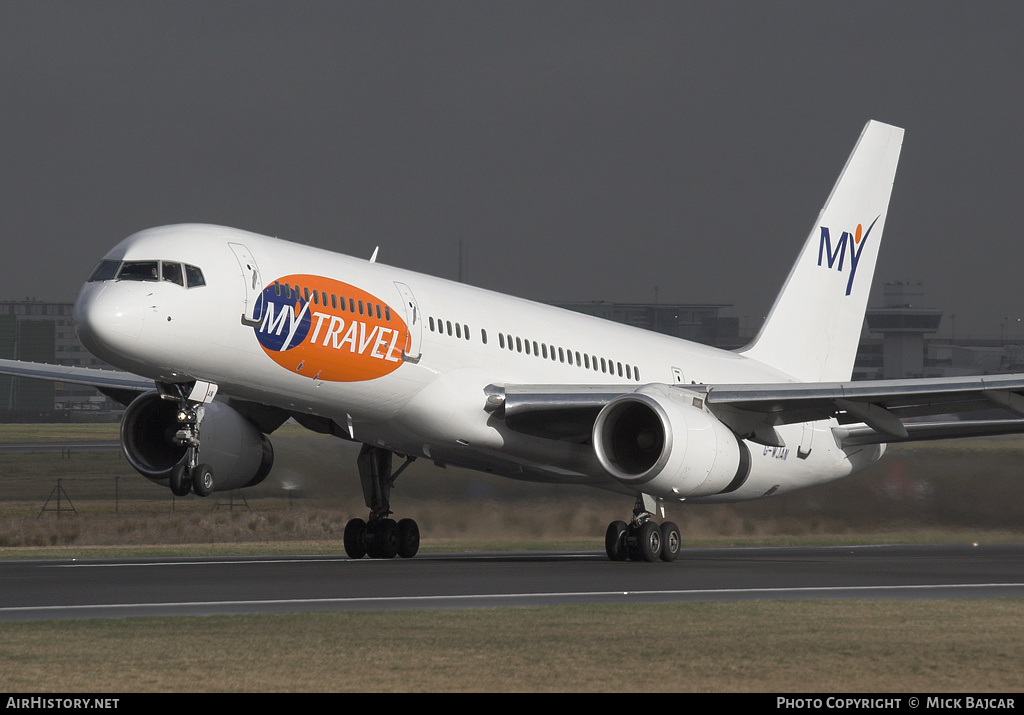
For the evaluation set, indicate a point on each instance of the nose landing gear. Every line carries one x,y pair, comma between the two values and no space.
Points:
189,475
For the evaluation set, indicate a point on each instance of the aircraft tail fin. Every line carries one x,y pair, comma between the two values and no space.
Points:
814,328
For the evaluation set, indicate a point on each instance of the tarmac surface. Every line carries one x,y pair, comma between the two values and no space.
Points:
116,588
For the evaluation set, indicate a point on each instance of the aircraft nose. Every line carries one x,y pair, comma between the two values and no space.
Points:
107,319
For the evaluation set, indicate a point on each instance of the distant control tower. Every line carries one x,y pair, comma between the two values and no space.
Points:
903,324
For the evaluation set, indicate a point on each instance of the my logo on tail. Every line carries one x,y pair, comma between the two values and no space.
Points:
837,257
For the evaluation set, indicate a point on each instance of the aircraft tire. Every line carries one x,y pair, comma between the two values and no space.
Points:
408,538
387,530
615,541
648,542
355,538
671,541
202,480
180,484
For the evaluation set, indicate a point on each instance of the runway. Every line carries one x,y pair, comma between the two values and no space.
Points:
118,588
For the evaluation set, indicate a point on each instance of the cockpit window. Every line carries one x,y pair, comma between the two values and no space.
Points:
105,271
171,272
138,271
194,276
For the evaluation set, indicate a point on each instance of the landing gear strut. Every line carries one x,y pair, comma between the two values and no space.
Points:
380,536
189,475
642,539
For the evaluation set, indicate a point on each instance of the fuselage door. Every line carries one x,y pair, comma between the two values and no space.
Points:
252,313
414,320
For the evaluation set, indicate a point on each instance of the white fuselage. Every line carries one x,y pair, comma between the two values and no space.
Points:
402,360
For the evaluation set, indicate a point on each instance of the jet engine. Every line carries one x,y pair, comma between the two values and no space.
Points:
238,454
661,442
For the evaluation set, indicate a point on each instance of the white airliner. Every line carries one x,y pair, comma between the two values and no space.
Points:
227,334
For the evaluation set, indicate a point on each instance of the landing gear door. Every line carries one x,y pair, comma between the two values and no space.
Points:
414,320
252,313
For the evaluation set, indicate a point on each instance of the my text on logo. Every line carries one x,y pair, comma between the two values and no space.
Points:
836,256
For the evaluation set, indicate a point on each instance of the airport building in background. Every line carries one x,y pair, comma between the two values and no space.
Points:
37,331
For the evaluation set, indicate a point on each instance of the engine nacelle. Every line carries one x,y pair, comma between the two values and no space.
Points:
238,453
658,442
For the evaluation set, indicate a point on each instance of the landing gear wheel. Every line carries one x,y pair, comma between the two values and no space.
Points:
671,541
615,541
388,531
355,538
382,539
648,542
202,480
408,538
181,485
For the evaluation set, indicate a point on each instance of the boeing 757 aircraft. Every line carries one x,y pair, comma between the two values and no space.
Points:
227,334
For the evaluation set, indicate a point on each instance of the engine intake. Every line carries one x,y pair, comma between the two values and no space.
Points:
657,441
237,452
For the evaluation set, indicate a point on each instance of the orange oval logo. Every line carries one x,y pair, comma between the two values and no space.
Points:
329,330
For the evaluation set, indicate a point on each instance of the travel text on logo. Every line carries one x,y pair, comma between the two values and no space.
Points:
328,330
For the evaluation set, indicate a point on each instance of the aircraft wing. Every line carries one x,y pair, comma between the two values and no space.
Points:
867,412
120,386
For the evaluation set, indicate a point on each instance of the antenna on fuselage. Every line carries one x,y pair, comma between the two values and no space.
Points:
373,258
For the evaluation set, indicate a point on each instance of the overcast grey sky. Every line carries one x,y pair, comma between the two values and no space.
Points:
580,150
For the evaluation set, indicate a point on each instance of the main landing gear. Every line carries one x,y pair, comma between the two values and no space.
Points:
188,475
642,539
380,536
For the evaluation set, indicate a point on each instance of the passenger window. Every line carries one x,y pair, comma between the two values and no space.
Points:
105,271
431,324
138,271
501,340
483,336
